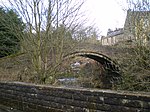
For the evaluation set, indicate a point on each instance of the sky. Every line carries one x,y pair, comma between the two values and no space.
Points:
106,14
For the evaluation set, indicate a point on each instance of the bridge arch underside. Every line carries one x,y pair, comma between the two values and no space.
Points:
112,74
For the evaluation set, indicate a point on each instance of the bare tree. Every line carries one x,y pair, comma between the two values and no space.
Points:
138,20
135,63
48,26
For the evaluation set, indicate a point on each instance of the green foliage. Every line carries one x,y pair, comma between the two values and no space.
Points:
136,69
9,23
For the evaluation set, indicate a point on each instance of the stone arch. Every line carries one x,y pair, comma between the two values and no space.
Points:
113,72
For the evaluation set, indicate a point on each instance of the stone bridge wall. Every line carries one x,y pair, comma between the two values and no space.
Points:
42,98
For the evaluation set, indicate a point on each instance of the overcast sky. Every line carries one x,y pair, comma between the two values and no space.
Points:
106,13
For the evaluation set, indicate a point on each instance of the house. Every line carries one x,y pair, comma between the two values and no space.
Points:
136,28
137,24
112,37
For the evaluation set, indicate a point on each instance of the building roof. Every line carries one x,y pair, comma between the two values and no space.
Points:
115,32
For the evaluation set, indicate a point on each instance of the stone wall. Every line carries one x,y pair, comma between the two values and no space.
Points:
41,98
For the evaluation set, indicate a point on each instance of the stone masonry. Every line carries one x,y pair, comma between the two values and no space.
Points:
43,98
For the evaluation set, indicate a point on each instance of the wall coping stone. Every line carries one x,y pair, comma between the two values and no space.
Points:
118,92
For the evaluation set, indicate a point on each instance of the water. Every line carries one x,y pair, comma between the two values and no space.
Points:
67,79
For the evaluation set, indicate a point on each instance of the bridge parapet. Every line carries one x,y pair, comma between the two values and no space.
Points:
42,98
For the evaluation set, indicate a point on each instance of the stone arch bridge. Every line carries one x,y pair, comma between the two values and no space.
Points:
113,72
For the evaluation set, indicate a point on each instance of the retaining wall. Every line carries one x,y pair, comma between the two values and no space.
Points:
41,98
